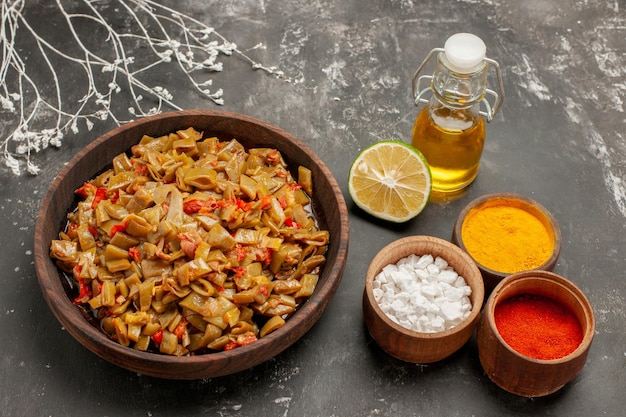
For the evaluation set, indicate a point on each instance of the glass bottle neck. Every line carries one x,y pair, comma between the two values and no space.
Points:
455,89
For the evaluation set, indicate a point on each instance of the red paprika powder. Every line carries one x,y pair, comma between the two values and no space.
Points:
537,326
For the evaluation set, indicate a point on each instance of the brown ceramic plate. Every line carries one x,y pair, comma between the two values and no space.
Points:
328,204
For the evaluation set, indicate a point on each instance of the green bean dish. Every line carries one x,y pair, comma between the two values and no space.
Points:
189,245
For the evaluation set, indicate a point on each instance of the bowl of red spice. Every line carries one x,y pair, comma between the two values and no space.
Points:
535,333
422,299
506,233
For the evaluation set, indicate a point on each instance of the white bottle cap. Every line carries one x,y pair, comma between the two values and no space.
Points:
465,53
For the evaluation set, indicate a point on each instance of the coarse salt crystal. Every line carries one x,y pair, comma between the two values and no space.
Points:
429,291
424,261
441,263
459,282
453,294
448,276
403,297
451,311
378,294
422,274
433,270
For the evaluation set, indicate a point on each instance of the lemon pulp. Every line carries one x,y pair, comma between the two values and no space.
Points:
390,180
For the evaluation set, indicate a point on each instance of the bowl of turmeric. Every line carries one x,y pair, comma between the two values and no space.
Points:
191,244
534,333
507,233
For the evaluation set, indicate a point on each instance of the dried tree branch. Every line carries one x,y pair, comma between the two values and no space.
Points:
42,115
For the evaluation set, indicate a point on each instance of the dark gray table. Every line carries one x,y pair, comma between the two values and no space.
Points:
559,139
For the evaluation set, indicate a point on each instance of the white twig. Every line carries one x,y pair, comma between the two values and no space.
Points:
42,114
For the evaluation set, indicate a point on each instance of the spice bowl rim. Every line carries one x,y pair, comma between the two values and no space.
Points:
491,276
375,316
524,375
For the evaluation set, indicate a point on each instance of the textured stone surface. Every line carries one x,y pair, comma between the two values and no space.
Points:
348,64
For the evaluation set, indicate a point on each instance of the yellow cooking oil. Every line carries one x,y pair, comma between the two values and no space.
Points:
452,142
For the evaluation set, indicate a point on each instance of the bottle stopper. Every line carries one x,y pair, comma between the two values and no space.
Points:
465,53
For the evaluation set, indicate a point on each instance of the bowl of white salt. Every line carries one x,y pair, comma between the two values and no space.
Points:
422,299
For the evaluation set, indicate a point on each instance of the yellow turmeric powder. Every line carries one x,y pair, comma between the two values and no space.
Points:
506,238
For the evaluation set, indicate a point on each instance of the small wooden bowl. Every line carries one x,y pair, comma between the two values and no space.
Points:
492,277
328,204
408,345
520,374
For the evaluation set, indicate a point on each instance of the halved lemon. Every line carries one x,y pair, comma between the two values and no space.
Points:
390,180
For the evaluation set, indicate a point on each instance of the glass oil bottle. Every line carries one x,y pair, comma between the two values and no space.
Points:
450,130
